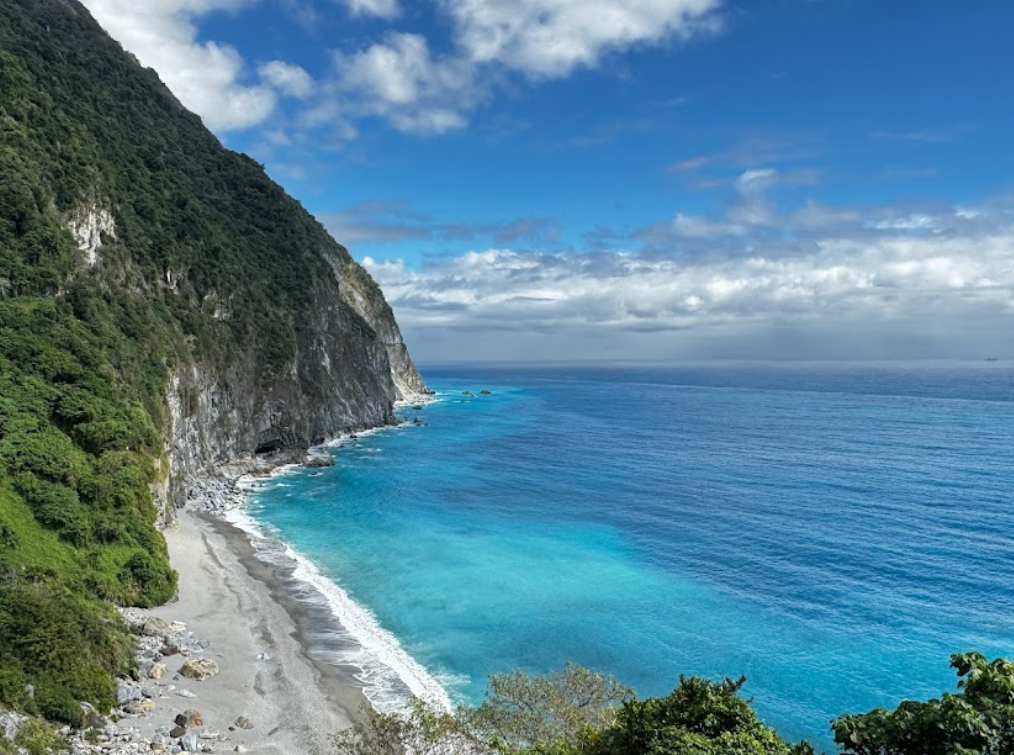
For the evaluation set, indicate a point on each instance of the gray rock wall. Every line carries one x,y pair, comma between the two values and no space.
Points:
351,366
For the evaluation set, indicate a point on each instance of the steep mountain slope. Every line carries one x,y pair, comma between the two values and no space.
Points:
164,306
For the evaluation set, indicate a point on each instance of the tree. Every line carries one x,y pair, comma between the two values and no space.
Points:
978,720
576,712
521,712
699,717
421,731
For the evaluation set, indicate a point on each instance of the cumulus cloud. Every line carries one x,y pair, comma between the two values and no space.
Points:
870,280
207,77
400,80
288,79
551,38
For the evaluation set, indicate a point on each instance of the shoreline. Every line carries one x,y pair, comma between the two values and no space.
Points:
284,680
263,670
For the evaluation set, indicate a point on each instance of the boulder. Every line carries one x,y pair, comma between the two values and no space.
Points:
127,693
484,392
134,708
155,627
198,669
157,671
189,719
176,732
189,743
318,462
243,723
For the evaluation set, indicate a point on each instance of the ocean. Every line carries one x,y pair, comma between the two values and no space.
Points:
832,531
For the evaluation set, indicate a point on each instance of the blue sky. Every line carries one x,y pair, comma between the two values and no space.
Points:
639,179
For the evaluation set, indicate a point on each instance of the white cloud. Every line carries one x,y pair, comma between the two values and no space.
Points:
207,77
288,79
378,8
551,38
402,81
398,79
843,280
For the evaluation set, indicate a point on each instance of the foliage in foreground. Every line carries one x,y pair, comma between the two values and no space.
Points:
978,720
581,712
576,712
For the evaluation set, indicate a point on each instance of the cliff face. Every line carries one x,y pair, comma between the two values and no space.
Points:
164,307
348,370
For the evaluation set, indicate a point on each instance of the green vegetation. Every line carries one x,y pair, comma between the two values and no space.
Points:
34,737
979,720
206,259
577,712
580,712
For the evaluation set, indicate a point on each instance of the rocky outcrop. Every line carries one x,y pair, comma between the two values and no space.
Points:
89,224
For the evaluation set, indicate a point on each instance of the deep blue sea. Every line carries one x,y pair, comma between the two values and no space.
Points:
832,531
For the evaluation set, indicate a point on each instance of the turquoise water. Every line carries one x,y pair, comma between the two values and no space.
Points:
831,532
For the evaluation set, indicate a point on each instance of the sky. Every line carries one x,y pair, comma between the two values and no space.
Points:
631,179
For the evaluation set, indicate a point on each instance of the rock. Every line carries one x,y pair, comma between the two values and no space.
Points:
189,743
157,671
147,706
155,627
417,408
176,732
157,747
91,717
134,708
30,691
210,735
198,669
10,723
189,719
417,421
176,627
467,393
185,693
239,748
484,392
318,462
243,723
127,693
148,692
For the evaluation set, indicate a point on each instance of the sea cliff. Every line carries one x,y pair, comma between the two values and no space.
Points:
165,309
